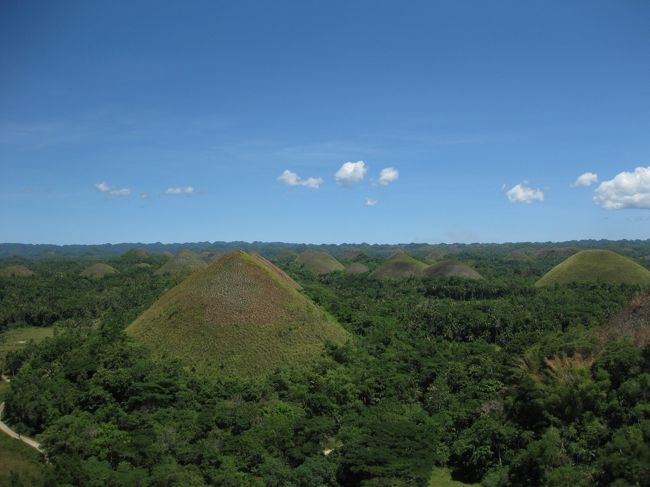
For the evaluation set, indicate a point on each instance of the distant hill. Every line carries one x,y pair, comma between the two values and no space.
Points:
16,271
98,270
239,316
319,262
596,265
137,253
184,261
357,268
632,322
451,269
211,256
399,266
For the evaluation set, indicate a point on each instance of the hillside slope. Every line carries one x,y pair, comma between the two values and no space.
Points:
98,270
596,265
239,316
16,271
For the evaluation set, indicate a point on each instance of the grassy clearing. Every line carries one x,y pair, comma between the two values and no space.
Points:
319,262
15,271
441,477
240,316
399,266
18,338
19,464
596,265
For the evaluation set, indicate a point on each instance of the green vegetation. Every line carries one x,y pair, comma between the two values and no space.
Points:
451,269
184,262
441,477
399,266
319,262
15,271
240,316
20,465
596,265
98,271
442,381
18,338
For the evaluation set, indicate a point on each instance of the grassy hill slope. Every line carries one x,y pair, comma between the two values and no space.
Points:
239,316
451,269
596,265
183,261
399,266
357,268
632,322
319,262
98,270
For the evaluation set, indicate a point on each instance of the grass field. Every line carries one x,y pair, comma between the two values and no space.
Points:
399,266
441,477
319,262
19,463
17,338
240,316
596,265
15,271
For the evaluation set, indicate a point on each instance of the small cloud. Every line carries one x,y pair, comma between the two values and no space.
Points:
586,179
371,202
626,190
351,172
144,196
180,190
388,175
105,188
292,179
522,193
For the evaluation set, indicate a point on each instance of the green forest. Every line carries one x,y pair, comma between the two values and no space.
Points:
491,381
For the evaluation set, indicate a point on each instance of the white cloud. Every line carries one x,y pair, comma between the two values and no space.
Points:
522,193
180,190
626,190
105,188
388,175
351,172
586,179
292,179
371,202
144,195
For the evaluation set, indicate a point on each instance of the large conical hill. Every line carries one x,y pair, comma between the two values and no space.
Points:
596,266
399,266
184,261
319,262
98,270
451,269
239,316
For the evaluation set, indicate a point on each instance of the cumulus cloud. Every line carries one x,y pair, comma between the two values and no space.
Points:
351,172
586,179
522,193
388,175
105,188
292,179
371,202
180,190
626,190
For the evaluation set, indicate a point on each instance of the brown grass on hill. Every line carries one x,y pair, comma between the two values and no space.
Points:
184,261
285,277
451,269
319,262
98,270
632,322
15,271
357,268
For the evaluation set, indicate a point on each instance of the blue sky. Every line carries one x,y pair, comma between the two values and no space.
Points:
172,121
